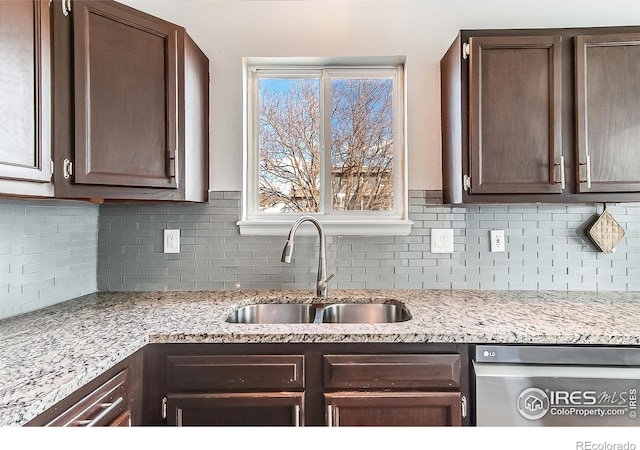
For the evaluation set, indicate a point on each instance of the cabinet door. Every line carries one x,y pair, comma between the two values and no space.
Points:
247,409
25,90
514,115
125,91
608,112
393,409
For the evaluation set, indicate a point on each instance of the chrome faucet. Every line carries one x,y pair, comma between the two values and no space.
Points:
287,252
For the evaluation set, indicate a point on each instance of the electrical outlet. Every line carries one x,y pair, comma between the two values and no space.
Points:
172,241
441,240
497,240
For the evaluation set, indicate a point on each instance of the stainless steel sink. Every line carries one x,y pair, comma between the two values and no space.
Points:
263,313
365,313
273,313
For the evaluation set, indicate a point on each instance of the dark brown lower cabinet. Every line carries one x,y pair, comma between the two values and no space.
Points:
306,385
393,390
279,384
387,409
231,409
227,390
113,399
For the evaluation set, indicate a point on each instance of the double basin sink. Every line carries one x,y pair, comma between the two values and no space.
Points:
318,313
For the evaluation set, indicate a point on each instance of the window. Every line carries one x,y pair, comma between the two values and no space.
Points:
327,141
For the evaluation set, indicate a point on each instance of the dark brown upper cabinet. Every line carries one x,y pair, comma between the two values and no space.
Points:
515,107
608,112
25,90
514,114
131,96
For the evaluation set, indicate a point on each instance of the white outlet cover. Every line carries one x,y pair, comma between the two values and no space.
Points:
441,240
172,241
497,240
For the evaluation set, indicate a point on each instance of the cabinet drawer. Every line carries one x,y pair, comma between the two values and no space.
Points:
391,371
246,372
102,407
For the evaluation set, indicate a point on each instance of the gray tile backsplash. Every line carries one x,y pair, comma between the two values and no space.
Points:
55,250
546,248
48,253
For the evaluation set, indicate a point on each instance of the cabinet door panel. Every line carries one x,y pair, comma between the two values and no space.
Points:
25,90
515,107
608,112
246,409
394,409
391,371
125,66
227,372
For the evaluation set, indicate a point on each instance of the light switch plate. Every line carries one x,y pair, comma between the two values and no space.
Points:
441,240
172,241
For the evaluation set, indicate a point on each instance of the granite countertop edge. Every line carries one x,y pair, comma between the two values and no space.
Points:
48,354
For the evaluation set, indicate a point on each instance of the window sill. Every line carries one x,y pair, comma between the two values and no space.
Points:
331,228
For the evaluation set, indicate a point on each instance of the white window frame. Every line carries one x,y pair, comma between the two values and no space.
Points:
363,223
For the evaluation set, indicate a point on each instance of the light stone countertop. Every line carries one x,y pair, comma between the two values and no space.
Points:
48,354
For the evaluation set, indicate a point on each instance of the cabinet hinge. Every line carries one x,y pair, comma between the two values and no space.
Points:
66,7
587,165
466,50
67,169
463,404
466,182
51,166
164,407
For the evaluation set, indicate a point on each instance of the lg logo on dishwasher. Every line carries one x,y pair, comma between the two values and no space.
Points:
534,403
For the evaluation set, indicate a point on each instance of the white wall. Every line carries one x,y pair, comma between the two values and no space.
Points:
228,30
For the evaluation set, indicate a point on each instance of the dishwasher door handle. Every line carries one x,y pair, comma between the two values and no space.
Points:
552,371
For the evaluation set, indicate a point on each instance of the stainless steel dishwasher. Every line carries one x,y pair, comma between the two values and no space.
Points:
556,386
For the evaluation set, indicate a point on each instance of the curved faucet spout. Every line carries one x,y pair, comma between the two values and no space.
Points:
287,253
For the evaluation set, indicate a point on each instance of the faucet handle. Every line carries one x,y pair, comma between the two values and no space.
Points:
329,277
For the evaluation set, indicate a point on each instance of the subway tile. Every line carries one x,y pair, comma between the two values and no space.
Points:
498,285
412,271
49,240
408,285
541,241
427,263
436,285
182,286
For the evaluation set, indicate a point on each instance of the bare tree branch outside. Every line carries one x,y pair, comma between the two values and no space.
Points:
361,145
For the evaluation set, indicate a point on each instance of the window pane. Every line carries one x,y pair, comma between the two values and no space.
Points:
362,144
289,145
